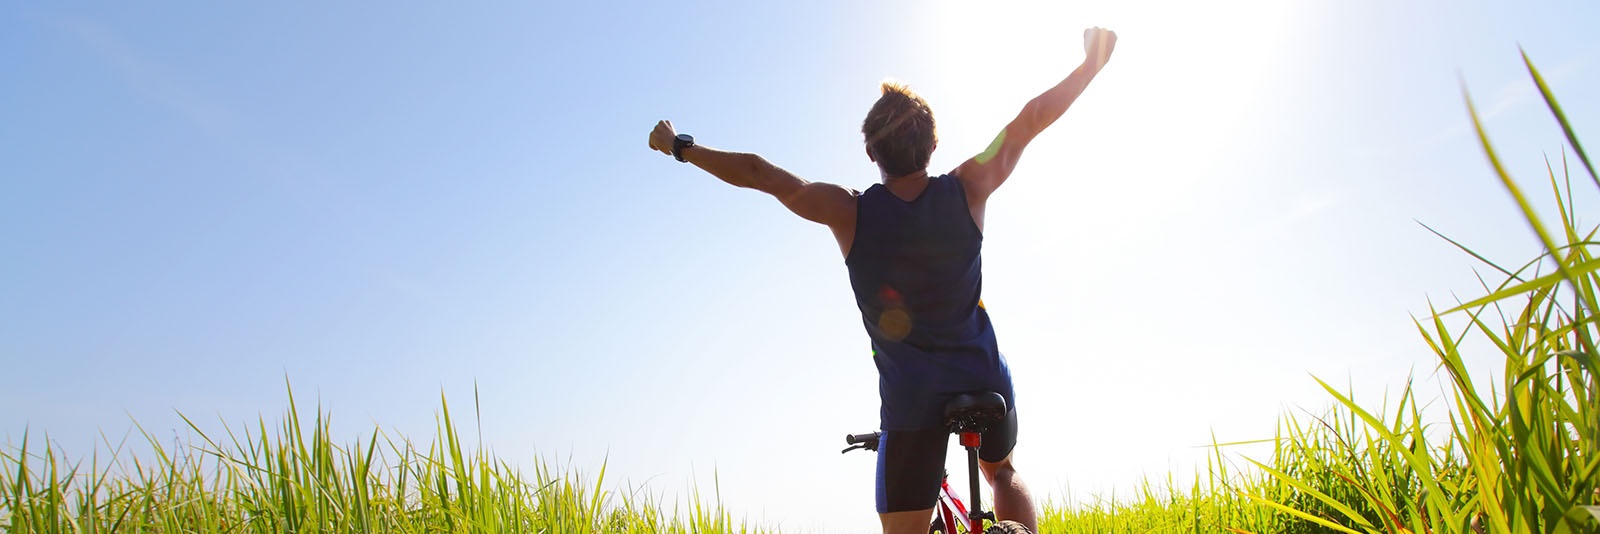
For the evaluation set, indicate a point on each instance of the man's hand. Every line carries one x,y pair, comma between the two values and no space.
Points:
661,138
1097,46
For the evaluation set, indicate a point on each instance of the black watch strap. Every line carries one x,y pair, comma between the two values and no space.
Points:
679,143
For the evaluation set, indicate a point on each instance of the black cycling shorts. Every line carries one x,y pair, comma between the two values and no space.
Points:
911,462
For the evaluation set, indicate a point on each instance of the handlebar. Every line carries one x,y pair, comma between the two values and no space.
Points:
862,441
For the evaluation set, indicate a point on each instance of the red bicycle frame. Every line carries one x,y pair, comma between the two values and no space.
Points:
951,510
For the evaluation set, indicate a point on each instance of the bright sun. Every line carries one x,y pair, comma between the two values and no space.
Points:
1180,73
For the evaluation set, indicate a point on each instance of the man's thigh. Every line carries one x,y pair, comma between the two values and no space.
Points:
910,468
1000,439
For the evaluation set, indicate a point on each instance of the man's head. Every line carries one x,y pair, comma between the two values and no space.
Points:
900,131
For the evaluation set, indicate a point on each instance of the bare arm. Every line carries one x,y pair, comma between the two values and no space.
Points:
819,202
984,173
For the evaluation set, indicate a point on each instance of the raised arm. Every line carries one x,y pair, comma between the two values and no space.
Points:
819,202
984,173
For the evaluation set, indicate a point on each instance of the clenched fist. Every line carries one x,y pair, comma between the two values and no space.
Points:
661,137
1097,46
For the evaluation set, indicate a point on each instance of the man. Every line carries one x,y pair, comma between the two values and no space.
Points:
912,246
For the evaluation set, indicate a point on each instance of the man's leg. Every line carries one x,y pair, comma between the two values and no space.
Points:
914,522
1011,497
1012,501
910,466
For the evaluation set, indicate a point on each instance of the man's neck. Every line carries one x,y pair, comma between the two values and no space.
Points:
908,187
905,178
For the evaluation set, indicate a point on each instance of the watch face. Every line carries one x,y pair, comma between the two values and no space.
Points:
679,143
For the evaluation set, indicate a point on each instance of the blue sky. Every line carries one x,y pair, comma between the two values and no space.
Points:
383,204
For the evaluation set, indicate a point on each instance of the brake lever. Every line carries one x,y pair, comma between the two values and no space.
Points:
854,447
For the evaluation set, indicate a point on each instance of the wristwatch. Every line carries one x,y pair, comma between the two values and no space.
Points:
679,143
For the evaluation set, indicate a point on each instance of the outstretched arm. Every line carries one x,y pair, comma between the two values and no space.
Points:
984,173
819,202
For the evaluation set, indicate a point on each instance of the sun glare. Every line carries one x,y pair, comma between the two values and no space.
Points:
1003,53
1177,84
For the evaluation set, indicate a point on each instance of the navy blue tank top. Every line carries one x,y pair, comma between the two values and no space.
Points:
916,270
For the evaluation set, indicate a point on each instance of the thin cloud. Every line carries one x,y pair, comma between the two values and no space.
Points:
151,79
168,88
1513,94
1306,208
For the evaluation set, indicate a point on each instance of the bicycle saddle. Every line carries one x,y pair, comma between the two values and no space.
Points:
974,412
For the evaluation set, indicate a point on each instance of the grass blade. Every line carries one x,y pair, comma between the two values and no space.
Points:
1561,117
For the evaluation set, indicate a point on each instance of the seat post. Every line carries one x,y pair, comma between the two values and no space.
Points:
969,415
973,440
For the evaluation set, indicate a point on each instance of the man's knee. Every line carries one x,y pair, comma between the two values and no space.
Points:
1003,469
913,522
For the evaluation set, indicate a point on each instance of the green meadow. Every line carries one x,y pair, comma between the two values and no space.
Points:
1515,453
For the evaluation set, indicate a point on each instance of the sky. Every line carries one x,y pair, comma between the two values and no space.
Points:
383,205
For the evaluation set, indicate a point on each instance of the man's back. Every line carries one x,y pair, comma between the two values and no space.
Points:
916,270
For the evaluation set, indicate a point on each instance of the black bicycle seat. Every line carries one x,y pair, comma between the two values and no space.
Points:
974,412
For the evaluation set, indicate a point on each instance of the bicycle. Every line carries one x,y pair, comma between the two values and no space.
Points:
968,416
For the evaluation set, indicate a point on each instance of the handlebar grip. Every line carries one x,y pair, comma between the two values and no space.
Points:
853,439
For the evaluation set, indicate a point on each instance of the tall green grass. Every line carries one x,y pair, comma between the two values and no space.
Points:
295,478
1518,456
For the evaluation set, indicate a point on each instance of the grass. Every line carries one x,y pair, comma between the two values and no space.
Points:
294,478
1518,456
